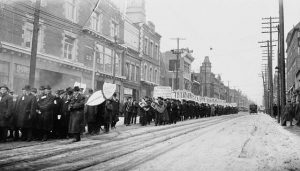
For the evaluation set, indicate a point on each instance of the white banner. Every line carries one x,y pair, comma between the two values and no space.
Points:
162,91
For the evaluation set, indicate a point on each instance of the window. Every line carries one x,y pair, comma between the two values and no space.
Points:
71,10
151,49
172,65
150,75
137,73
156,52
100,57
108,61
155,76
132,72
127,70
114,32
68,47
186,67
145,72
96,21
145,46
117,64
28,37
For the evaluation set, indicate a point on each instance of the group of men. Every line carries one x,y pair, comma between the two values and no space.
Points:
170,111
291,111
39,114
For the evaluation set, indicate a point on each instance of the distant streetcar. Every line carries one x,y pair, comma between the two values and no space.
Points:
252,108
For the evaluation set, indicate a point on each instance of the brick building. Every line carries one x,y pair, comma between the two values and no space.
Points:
169,60
293,58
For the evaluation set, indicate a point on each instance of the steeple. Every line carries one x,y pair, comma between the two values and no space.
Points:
136,11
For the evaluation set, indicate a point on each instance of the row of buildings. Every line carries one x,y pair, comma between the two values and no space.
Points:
112,35
204,83
73,34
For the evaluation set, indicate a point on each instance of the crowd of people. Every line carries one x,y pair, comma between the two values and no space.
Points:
290,112
39,114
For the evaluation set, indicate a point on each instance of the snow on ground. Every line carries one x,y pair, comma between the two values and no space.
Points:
252,142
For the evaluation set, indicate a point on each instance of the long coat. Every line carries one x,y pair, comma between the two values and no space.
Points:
25,111
91,114
46,106
76,108
6,108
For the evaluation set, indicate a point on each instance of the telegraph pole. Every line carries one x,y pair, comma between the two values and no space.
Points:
34,43
177,60
282,55
270,31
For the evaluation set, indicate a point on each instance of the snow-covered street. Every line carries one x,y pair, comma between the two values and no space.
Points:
231,142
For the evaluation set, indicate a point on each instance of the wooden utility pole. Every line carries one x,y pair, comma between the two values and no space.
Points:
270,31
282,55
34,44
177,52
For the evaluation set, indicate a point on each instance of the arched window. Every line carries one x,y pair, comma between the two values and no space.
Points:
145,72
155,76
150,74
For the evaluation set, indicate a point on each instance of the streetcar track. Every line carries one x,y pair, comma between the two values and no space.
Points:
195,125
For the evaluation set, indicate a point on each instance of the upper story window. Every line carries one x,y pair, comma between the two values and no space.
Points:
27,36
150,74
172,65
151,49
100,56
132,72
186,67
155,76
118,64
97,21
71,10
146,46
69,44
108,61
136,73
114,29
145,72
156,52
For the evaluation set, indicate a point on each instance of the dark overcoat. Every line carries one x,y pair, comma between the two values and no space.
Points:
46,106
76,108
25,111
6,108
91,114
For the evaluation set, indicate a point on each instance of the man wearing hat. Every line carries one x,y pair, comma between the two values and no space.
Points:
287,114
6,107
25,114
76,108
57,111
45,110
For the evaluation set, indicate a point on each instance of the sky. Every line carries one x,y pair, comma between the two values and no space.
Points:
231,27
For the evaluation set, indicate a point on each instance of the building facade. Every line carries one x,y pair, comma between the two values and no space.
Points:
293,58
185,81
73,36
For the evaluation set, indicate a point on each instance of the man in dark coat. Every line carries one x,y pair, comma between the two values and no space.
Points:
25,112
127,110
287,114
6,108
65,117
57,114
76,108
115,110
45,109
